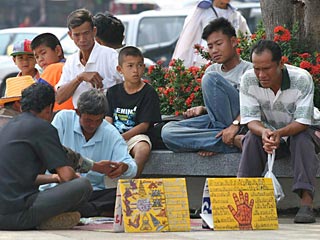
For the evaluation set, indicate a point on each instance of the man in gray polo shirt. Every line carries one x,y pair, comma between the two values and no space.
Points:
276,101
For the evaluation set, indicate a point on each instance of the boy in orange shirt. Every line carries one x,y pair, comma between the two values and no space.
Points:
49,55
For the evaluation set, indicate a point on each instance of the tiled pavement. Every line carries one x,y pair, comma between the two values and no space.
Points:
287,230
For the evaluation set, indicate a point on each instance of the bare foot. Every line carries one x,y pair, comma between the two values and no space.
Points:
206,153
238,141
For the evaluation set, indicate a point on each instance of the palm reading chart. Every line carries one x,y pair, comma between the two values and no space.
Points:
242,203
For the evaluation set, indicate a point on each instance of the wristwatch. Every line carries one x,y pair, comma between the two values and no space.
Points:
236,122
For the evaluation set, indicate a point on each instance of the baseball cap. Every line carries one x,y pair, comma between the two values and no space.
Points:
22,47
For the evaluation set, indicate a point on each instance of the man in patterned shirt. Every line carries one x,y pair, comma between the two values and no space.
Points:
276,101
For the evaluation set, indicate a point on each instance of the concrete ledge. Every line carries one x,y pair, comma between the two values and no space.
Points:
168,163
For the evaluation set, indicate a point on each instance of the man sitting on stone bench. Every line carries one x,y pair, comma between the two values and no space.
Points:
216,130
276,101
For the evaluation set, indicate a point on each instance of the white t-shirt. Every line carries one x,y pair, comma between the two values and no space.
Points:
103,60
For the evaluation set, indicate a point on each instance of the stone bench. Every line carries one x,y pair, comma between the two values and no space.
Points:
196,169
167,163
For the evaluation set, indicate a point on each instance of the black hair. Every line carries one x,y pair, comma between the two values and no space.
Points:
47,39
37,97
79,17
263,45
129,51
219,24
110,30
92,102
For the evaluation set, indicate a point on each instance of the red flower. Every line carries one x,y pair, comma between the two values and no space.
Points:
160,62
285,59
238,51
150,69
198,46
279,29
172,62
305,55
253,36
281,34
305,65
315,69
194,70
197,88
188,102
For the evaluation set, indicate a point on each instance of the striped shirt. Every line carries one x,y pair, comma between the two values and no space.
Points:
293,101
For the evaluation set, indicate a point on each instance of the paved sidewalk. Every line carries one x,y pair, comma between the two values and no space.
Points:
287,230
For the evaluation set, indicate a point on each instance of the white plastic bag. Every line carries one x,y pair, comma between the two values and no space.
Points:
278,192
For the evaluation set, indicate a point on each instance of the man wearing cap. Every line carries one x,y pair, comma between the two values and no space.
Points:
23,57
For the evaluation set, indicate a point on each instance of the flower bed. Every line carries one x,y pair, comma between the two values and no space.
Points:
179,88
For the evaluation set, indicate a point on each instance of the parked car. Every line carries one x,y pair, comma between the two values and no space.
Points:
11,35
156,32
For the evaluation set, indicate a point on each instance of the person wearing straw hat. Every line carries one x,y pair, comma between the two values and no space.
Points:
276,101
10,102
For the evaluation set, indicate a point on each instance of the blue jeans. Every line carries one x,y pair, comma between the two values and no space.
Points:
222,102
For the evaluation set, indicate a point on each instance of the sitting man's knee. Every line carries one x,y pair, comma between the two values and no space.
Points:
251,137
209,79
166,130
301,138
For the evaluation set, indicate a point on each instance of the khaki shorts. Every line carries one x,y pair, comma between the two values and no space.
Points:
138,138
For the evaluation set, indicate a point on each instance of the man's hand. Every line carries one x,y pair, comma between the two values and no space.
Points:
194,112
55,178
92,77
228,134
104,166
110,168
117,169
270,140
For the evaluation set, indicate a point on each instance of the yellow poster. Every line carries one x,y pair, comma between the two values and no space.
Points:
154,205
242,203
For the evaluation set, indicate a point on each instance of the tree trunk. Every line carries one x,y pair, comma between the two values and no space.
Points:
289,12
